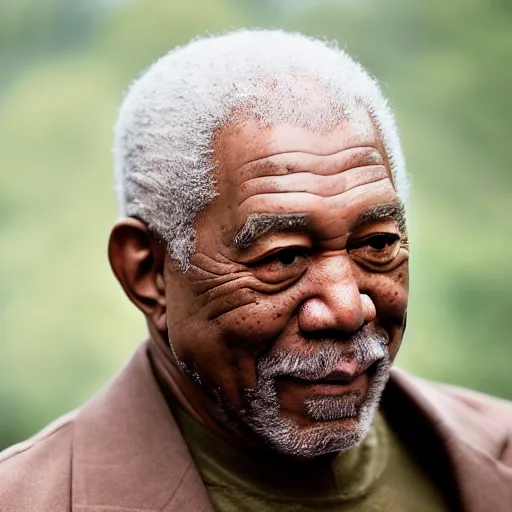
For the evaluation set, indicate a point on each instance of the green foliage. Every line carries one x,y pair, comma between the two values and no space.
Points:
65,325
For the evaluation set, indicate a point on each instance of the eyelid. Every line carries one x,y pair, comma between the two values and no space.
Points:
273,252
359,241
402,255
383,226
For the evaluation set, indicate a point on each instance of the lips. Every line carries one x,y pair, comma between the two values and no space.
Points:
337,377
339,382
347,372
353,385
344,375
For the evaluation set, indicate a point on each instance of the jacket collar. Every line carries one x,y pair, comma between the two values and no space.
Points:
128,453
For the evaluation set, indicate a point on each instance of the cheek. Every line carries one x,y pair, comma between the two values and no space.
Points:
390,292
201,346
258,324
245,333
224,350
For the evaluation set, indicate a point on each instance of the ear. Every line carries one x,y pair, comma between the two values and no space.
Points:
137,260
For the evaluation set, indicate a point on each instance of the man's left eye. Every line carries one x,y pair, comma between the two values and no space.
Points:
378,250
382,240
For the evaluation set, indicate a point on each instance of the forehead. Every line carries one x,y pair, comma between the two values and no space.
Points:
245,142
332,177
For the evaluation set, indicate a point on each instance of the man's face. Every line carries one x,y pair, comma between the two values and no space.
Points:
295,301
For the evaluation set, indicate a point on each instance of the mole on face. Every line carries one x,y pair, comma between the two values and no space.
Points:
299,300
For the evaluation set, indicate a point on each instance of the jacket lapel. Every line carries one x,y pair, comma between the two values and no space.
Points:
473,443
128,453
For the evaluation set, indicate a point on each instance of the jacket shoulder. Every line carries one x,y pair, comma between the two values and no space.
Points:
35,475
494,408
494,414
482,421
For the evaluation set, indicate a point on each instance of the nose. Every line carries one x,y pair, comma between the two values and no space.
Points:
335,303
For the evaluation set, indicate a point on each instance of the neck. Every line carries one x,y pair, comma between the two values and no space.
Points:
349,474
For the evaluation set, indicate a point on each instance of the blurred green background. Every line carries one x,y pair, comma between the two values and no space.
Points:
65,325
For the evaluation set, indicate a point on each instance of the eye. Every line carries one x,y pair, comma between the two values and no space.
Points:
282,265
380,241
378,251
287,256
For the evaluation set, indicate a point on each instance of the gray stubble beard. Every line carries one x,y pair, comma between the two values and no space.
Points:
265,418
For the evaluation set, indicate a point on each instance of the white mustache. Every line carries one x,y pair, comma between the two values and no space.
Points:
324,357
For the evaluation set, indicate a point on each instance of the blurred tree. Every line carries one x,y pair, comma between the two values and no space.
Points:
31,30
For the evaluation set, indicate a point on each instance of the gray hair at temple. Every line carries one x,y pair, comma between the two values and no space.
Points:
163,145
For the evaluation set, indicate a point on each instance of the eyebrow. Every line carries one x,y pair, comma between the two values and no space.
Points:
257,224
378,212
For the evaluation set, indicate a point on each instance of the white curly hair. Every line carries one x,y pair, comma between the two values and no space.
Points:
163,142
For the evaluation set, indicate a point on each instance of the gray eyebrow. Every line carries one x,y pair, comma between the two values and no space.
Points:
257,224
375,213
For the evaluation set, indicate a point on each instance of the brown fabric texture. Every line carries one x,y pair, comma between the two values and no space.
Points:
123,452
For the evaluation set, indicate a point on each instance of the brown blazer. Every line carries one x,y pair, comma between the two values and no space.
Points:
123,452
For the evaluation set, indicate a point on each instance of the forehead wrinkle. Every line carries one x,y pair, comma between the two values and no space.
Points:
309,152
301,202
296,161
312,183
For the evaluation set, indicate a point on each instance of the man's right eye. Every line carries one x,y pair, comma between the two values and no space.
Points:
288,256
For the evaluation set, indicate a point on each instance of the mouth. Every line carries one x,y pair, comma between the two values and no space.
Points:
345,375
331,383
347,380
340,378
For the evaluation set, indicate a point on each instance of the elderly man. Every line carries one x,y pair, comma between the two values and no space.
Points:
262,186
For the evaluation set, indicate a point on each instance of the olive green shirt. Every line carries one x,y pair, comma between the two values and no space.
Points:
376,476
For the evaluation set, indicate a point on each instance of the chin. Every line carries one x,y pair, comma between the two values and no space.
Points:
286,437
327,425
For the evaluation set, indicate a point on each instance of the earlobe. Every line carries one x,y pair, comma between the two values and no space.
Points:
137,260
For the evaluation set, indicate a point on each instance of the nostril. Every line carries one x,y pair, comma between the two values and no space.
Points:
329,335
